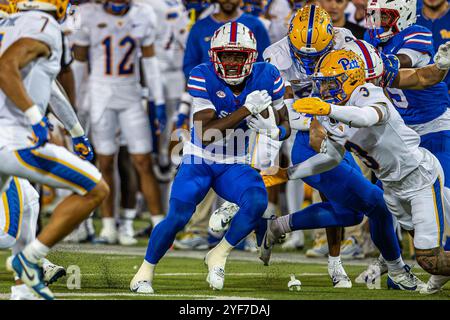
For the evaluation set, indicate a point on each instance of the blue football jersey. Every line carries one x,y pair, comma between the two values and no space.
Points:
441,32
204,83
199,40
415,106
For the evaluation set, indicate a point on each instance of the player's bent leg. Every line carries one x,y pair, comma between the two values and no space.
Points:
186,193
56,167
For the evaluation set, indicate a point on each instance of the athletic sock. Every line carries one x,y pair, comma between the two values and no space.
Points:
145,272
128,218
109,223
35,251
396,265
218,255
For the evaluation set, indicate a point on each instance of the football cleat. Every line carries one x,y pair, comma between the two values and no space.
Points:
404,280
319,250
434,285
143,287
350,249
22,292
272,236
295,241
126,236
191,241
338,276
216,274
221,218
373,272
31,274
216,278
107,237
52,272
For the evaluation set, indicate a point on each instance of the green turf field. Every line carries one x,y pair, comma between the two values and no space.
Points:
106,276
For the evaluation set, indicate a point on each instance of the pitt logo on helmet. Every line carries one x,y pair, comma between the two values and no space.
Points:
337,75
59,7
311,35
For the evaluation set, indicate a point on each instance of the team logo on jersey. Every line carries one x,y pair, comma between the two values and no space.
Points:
102,25
445,34
207,39
120,23
221,94
348,65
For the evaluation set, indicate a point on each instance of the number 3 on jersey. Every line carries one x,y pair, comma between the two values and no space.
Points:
125,66
370,162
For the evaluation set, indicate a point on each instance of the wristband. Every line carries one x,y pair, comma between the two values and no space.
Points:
34,114
282,133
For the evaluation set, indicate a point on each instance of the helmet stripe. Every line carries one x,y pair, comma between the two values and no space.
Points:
312,12
233,33
367,56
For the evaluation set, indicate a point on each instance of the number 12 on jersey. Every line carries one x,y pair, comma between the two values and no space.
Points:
125,67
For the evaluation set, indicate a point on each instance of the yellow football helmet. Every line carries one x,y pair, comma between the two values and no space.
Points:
60,7
310,35
7,7
337,75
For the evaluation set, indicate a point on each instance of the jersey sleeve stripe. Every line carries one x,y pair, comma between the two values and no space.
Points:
423,34
277,80
419,41
198,79
281,86
194,87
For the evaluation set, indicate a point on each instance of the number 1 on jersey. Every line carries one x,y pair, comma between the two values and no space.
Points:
125,67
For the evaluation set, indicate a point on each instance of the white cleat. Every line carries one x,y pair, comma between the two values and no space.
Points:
434,285
216,274
108,236
371,276
52,272
350,249
22,292
339,277
142,287
404,280
319,250
294,241
221,218
216,278
272,236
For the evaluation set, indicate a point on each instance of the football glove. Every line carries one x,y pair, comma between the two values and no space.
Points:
258,101
82,148
314,106
265,126
40,132
274,176
442,57
391,66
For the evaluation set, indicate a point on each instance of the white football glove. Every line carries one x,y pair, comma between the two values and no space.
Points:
265,126
442,57
258,101
299,121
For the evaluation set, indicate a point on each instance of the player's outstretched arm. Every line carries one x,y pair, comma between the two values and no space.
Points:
422,78
15,58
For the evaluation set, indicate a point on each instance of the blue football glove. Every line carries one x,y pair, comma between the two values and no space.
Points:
391,66
40,132
181,120
82,148
161,117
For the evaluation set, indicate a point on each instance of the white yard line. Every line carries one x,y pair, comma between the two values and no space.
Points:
118,294
231,274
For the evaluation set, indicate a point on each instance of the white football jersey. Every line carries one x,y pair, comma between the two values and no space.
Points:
38,75
389,148
115,41
279,54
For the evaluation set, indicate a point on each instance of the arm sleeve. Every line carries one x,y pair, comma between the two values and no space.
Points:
64,111
153,79
418,59
354,116
319,163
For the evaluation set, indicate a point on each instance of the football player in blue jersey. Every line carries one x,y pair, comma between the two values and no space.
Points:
394,31
226,91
